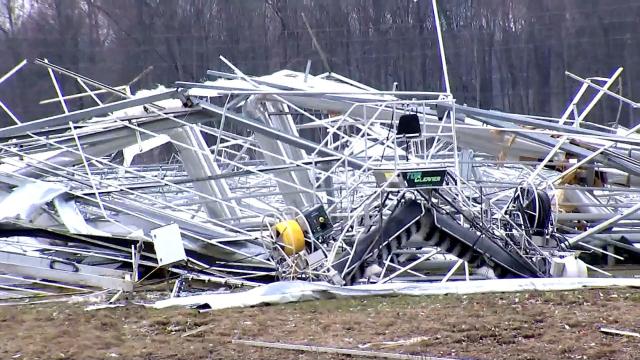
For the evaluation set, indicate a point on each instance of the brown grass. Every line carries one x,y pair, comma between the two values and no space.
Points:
559,325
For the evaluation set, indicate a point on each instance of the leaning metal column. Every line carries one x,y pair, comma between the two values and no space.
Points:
200,165
274,115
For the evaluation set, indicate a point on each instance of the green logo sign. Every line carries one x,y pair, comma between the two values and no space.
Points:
425,178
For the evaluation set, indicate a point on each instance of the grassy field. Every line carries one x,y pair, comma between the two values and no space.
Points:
534,325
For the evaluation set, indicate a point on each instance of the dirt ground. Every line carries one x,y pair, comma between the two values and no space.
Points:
535,325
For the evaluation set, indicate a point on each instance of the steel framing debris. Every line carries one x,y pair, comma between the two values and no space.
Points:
320,178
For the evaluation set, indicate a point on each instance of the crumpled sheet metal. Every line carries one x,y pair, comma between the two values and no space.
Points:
25,200
297,291
72,218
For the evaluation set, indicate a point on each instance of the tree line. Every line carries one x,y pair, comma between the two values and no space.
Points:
502,54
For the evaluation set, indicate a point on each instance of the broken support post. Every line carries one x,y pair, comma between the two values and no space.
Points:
332,350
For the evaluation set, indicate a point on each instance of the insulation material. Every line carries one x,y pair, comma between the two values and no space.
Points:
297,291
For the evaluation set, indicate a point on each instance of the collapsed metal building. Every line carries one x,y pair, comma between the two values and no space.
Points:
292,176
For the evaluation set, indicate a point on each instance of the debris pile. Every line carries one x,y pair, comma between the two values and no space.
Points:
292,176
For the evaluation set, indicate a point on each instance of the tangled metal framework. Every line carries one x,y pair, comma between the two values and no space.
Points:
295,176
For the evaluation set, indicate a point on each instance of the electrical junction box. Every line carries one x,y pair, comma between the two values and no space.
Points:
168,244
319,222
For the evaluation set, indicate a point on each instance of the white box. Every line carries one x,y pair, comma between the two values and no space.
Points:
168,244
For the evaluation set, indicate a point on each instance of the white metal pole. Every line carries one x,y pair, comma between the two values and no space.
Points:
441,46
13,71
57,87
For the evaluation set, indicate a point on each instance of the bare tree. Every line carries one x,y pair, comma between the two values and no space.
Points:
504,54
